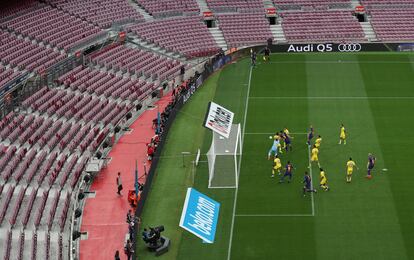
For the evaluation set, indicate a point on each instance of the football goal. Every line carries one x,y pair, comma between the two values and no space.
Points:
223,159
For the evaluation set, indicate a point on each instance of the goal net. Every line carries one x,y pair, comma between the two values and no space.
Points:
223,159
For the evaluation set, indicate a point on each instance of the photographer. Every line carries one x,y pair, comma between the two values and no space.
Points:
130,217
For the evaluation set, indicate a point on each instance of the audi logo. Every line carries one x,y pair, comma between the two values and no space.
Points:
349,47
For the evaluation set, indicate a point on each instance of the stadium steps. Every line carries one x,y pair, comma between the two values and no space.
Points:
218,37
369,31
154,48
141,10
268,4
355,3
202,4
278,33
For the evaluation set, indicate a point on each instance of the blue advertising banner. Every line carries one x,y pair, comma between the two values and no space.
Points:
200,215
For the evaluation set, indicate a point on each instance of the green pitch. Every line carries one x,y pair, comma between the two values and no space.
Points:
371,94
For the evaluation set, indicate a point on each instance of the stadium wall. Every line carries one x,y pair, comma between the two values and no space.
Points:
340,47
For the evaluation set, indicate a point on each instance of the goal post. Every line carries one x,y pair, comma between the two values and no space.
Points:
223,159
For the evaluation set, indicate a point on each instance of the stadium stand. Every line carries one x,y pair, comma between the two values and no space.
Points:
315,4
102,13
23,206
42,156
187,35
240,5
50,26
244,29
7,74
387,3
159,8
335,26
393,24
106,84
137,62
79,106
23,54
21,7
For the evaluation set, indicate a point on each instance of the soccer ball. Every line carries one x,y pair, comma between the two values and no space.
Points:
270,137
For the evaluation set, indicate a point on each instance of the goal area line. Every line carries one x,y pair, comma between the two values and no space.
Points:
222,187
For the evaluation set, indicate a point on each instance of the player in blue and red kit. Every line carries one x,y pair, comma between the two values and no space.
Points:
288,139
310,135
370,165
308,184
288,173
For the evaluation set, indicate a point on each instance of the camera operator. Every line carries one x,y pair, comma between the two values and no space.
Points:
129,249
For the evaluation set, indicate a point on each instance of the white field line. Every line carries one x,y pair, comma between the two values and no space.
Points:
273,215
222,187
272,133
240,159
310,172
339,97
340,61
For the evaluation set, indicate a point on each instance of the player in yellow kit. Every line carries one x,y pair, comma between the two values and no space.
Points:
342,134
277,166
350,169
323,180
314,156
318,142
282,144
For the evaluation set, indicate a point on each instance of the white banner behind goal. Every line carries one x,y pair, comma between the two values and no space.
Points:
223,159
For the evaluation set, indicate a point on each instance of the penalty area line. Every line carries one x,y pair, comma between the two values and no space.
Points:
273,215
310,172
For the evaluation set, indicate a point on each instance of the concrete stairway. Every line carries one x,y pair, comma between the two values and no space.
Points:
355,3
218,37
278,33
141,10
369,31
268,4
154,48
202,4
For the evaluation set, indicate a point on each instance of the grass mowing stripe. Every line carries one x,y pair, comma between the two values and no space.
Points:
240,159
333,97
392,117
229,84
360,215
259,194
340,61
166,197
